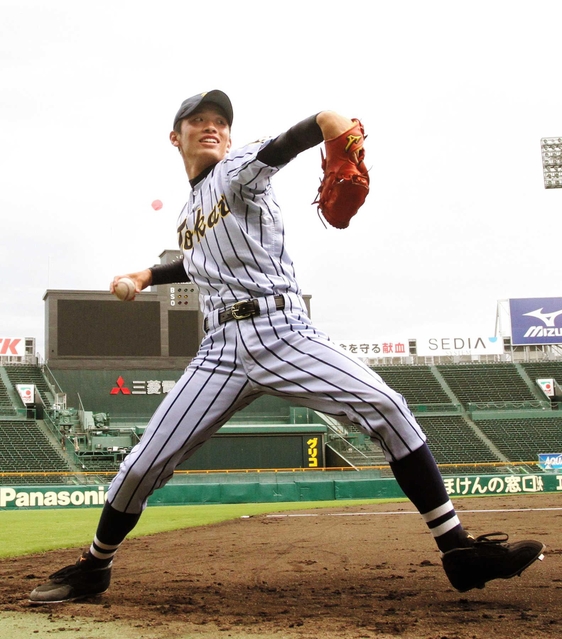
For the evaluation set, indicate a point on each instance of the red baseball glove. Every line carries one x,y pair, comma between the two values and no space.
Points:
345,183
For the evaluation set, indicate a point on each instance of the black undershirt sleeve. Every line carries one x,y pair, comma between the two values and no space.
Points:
288,145
172,273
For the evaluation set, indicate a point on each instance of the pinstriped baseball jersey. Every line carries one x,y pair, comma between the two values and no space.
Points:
231,233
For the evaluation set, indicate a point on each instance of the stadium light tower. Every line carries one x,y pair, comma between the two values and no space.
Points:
552,162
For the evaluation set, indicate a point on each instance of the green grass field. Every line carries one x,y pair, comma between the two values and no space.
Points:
24,532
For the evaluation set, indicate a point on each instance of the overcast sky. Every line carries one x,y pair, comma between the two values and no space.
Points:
455,98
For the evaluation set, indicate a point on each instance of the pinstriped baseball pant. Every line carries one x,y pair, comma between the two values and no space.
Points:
280,354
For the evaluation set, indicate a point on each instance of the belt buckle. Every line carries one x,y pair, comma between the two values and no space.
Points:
243,310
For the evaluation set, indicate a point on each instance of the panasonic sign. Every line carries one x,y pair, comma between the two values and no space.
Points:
51,497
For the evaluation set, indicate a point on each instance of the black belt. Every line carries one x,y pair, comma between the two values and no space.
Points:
244,310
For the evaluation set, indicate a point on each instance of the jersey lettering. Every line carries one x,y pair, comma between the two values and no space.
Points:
202,224
185,237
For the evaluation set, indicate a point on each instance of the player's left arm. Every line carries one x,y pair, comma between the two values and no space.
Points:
288,145
308,133
345,182
333,124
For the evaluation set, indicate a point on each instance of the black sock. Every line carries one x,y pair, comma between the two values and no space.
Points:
418,476
112,529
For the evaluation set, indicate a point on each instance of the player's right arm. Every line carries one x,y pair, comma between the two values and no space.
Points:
171,273
142,279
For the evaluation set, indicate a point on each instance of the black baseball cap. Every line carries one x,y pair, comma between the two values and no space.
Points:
217,97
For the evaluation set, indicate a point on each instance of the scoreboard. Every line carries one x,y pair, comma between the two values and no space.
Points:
162,322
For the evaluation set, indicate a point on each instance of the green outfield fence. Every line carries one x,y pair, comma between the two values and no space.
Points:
88,489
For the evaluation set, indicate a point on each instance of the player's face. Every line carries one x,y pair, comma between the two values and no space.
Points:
204,139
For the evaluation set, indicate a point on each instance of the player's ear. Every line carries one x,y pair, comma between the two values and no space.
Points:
174,138
229,144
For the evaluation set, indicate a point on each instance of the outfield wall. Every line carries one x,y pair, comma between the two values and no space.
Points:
273,488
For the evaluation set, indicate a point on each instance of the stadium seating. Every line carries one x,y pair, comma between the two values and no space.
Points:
537,370
481,383
99,463
453,441
449,401
24,447
523,439
417,384
28,374
541,370
6,406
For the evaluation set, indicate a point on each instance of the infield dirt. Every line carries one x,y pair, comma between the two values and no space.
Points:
356,573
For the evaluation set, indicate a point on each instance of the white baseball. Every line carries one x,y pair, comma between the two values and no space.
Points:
125,289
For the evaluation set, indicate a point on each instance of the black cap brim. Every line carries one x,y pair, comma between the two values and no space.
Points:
216,97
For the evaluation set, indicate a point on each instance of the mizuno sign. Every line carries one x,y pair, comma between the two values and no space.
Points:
536,321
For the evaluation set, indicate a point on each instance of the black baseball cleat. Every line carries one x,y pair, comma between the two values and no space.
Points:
489,557
82,579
